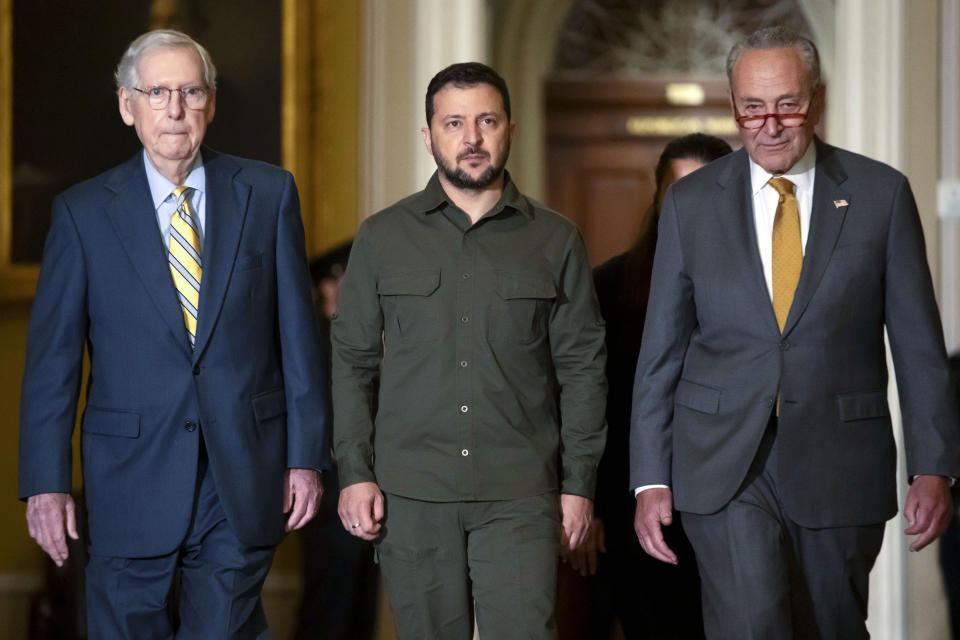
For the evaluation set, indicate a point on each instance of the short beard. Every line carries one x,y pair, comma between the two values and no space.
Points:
459,178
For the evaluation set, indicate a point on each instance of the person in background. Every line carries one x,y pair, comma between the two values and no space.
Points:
622,575
339,575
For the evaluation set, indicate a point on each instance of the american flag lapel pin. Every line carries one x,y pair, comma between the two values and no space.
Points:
839,203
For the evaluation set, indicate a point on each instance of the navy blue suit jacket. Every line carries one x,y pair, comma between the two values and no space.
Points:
713,357
253,383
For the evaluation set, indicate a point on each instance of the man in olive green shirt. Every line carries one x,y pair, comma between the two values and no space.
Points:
469,389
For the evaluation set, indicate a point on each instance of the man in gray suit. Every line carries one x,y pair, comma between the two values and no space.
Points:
760,402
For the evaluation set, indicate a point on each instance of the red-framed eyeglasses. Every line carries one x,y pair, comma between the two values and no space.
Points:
754,123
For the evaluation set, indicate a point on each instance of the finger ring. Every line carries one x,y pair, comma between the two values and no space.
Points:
355,525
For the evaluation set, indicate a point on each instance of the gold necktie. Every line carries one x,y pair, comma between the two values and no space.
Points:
787,257
184,257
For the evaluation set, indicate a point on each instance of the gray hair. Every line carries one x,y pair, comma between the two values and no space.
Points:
777,38
126,74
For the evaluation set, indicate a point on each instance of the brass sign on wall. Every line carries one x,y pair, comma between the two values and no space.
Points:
680,125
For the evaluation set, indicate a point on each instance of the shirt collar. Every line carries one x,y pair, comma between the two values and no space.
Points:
160,187
800,174
433,198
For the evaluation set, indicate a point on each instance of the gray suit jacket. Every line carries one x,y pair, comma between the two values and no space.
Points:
713,357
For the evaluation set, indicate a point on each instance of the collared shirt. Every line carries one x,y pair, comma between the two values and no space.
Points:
765,199
165,204
468,360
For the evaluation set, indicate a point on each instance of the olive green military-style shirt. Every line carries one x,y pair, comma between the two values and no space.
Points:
468,360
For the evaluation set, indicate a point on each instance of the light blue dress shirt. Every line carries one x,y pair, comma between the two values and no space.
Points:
165,204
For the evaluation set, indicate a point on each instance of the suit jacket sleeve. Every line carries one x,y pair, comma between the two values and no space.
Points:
670,321
55,345
931,426
305,377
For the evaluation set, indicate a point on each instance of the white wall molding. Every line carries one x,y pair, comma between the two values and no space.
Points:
865,100
950,88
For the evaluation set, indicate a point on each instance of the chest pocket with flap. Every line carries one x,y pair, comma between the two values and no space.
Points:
521,308
411,310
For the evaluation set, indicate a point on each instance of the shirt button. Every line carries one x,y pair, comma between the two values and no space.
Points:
464,408
466,276
463,364
464,453
464,319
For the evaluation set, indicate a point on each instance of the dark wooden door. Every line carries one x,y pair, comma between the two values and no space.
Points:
603,141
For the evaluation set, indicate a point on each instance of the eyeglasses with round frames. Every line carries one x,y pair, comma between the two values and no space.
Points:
757,122
159,97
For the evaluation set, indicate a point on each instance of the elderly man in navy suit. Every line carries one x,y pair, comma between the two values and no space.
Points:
760,399
183,274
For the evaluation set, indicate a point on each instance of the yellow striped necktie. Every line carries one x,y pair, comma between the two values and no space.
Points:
185,262
787,258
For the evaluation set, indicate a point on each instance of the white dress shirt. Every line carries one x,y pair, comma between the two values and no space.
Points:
765,199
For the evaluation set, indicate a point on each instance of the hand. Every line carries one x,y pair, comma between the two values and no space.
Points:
361,509
302,491
576,512
928,509
583,559
654,508
49,515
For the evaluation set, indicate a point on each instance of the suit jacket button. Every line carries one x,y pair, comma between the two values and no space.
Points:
190,426
784,346
196,369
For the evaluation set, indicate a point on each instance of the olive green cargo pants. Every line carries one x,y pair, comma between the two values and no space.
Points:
441,561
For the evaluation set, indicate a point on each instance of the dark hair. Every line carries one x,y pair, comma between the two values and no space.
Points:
463,75
696,146
777,38
638,264
331,263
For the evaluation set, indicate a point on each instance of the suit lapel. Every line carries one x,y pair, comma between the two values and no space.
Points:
135,221
826,220
226,210
735,180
